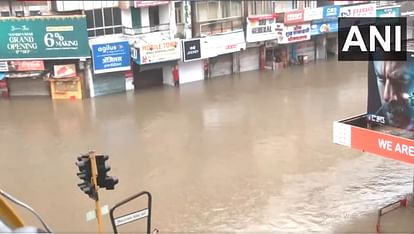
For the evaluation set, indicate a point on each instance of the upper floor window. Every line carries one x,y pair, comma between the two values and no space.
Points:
258,7
104,21
213,10
178,12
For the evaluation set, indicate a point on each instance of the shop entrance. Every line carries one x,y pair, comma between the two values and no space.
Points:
331,47
146,78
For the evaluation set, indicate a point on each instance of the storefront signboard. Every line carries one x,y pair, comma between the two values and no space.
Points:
393,11
192,50
331,12
295,33
26,65
364,10
313,14
261,28
39,38
324,27
138,4
111,57
294,17
159,52
222,44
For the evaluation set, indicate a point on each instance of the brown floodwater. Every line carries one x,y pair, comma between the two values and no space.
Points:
245,153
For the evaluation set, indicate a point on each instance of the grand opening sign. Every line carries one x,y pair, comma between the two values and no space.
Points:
43,38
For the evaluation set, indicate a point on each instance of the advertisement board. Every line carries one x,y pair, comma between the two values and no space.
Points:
295,33
364,10
331,12
159,52
26,65
294,17
393,11
39,38
191,50
111,57
324,27
313,14
391,92
261,28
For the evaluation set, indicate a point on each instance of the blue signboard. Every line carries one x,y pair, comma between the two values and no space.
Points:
111,57
389,12
324,27
331,11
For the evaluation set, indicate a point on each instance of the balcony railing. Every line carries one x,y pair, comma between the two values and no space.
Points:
148,29
221,26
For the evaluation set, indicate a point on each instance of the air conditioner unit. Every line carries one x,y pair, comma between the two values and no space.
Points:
35,13
19,13
5,13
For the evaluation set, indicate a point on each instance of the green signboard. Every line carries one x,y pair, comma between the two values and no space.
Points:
45,37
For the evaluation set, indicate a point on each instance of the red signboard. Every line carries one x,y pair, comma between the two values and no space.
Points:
26,65
294,17
138,4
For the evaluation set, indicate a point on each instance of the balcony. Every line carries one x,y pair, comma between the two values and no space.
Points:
209,28
147,29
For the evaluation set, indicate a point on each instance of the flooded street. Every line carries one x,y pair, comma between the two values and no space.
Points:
248,153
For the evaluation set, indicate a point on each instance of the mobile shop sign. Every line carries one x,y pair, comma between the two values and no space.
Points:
138,4
295,33
331,12
364,39
261,28
393,11
313,14
111,57
324,27
160,52
49,37
293,17
364,10
192,50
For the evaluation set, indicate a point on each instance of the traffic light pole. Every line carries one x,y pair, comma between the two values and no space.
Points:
95,184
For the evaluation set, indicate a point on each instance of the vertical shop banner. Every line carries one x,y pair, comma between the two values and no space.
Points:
364,10
192,50
43,37
261,28
324,27
138,4
313,14
393,11
159,52
295,33
331,12
394,78
111,57
294,17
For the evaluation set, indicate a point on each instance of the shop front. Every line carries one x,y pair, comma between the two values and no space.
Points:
259,29
296,30
111,70
44,56
154,63
192,67
324,33
223,53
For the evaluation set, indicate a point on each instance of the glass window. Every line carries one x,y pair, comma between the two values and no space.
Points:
108,17
136,17
202,11
225,9
213,10
235,7
98,18
154,17
178,12
103,21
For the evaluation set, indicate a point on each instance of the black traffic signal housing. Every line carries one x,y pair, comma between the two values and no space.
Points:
85,174
103,180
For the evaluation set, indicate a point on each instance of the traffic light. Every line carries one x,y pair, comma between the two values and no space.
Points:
85,174
103,180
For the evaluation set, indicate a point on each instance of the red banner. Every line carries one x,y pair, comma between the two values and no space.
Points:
138,4
379,143
294,17
27,65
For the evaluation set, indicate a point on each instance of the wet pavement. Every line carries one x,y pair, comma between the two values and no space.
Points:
245,153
